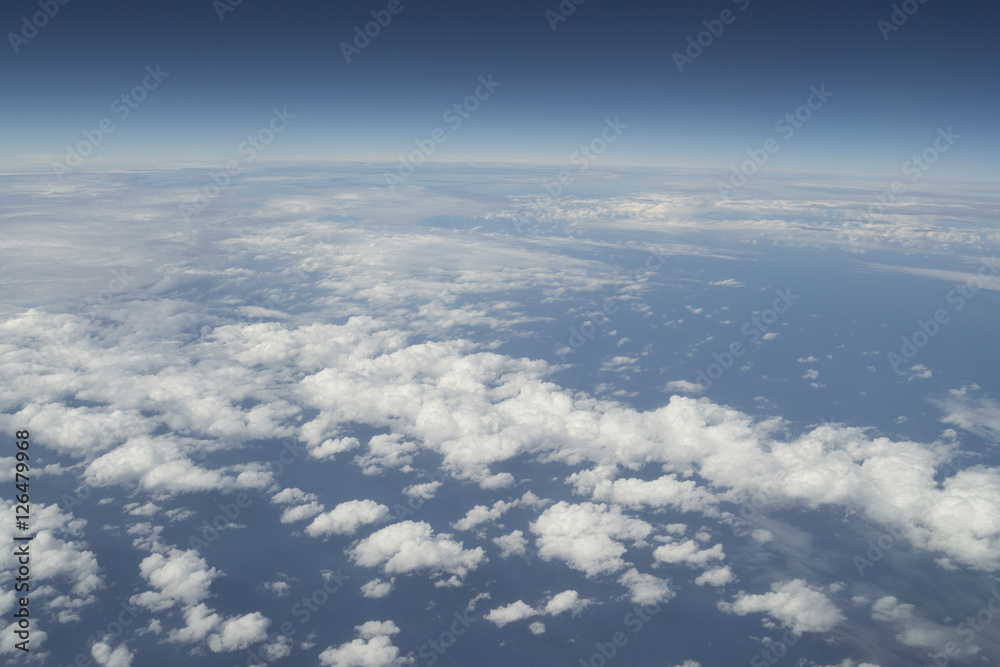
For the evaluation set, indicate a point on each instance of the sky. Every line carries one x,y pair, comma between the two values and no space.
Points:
560,75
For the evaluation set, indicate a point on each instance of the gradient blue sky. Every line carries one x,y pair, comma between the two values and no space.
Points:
608,59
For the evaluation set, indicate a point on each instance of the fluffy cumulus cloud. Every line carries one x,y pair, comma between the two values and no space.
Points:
236,634
587,536
514,544
377,588
347,517
566,601
410,546
373,647
481,514
105,656
688,552
718,576
646,589
514,611
177,576
793,604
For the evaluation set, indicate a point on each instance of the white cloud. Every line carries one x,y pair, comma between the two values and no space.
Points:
974,413
481,514
793,604
811,374
646,589
666,491
423,491
378,588
565,601
684,387
410,546
728,282
912,630
301,512
513,544
537,628
199,621
293,495
559,603
236,634
515,611
719,576
179,576
688,552
372,648
347,517
585,536
105,656
331,447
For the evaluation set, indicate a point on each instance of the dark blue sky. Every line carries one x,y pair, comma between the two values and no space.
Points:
608,59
